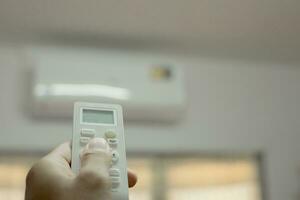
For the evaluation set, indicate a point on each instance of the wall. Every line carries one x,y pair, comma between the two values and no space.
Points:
234,106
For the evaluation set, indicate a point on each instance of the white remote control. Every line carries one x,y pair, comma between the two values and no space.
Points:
103,121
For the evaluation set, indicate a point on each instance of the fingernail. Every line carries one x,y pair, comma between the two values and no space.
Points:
96,144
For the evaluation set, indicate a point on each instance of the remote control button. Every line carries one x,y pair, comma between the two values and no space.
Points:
112,142
110,134
114,172
115,182
88,132
84,140
114,156
114,190
115,179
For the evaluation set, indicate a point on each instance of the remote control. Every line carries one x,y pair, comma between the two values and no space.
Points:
103,121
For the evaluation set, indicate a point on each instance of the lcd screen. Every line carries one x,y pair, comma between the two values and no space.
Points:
97,116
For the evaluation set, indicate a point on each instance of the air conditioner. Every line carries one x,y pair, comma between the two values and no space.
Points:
148,87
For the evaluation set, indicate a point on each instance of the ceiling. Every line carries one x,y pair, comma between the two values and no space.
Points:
221,24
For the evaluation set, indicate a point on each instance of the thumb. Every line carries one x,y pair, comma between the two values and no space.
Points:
95,162
95,156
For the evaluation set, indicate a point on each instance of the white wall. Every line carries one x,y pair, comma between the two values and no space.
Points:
239,106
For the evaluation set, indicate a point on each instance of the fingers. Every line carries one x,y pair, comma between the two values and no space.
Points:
53,175
95,162
132,178
60,159
62,153
49,176
96,155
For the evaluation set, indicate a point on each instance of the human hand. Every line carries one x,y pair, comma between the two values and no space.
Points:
51,178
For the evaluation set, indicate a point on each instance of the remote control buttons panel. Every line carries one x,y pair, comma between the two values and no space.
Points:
115,178
88,132
86,135
110,134
84,140
111,137
114,157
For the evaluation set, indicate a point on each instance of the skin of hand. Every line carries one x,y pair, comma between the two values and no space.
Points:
51,178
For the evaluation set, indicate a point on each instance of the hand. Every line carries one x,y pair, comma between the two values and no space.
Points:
51,178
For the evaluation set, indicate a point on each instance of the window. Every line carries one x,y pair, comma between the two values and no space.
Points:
13,170
212,179
168,177
143,190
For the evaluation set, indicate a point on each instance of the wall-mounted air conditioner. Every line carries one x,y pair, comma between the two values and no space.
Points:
148,87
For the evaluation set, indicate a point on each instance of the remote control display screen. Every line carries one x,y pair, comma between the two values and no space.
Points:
97,116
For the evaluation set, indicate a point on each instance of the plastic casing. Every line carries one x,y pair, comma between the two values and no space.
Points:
121,192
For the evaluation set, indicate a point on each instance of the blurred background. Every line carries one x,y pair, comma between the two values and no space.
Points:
209,91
